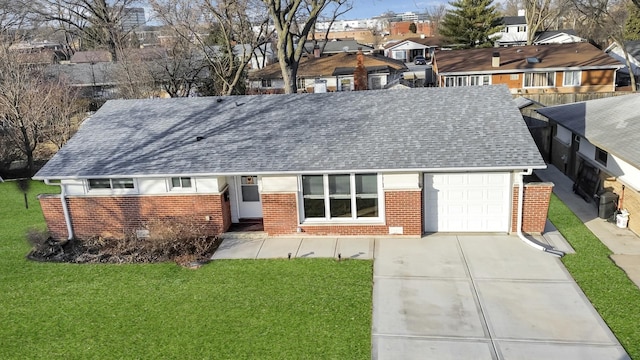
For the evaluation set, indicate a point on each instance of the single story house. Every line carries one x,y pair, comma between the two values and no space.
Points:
402,162
328,73
553,68
595,143
406,50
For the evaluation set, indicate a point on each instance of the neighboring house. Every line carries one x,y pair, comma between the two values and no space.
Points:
329,73
595,143
513,32
406,50
633,49
557,37
90,57
336,46
556,68
403,162
96,81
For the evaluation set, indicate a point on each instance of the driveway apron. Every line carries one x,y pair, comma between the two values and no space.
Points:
480,297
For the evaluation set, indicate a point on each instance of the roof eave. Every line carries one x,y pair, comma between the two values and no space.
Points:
310,172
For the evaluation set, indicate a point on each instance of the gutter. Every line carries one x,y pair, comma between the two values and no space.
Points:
533,243
65,209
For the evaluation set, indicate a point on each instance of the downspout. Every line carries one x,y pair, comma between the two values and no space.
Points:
532,243
65,209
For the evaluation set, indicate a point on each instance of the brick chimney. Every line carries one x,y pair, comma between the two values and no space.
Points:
316,51
360,78
495,59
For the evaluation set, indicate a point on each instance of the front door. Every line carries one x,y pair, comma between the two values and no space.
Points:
248,196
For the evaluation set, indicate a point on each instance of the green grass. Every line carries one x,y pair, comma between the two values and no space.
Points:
616,298
231,309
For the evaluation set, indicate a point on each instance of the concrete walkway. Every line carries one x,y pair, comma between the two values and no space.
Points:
480,297
624,244
304,247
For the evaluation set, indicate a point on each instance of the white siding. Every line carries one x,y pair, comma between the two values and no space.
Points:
74,187
405,181
275,184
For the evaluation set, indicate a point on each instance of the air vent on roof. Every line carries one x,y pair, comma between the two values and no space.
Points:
533,60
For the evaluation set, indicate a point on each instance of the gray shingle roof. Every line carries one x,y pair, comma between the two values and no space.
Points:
422,128
613,124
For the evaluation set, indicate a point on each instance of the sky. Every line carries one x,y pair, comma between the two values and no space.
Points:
363,9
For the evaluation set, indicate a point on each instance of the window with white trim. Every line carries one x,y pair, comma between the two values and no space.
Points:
572,78
340,197
467,80
540,79
266,83
302,84
105,183
181,183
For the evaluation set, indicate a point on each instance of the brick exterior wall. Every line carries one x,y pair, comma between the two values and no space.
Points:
117,216
403,208
535,207
279,213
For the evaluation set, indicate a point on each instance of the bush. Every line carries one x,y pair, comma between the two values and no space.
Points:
167,241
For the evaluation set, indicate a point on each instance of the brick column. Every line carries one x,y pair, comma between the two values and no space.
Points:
535,207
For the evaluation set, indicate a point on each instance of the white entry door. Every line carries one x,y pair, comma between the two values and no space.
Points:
248,196
467,202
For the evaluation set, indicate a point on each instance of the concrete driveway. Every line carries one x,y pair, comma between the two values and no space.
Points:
480,297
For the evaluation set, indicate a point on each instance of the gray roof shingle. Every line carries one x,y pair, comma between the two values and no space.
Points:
613,123
418,129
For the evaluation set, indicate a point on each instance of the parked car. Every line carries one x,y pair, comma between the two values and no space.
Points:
420,60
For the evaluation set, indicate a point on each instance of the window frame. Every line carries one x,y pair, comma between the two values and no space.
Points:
354,196
181,179
597,156
579,78
528,74
114,185
266,83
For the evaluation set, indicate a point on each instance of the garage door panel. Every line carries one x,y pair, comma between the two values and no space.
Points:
467,202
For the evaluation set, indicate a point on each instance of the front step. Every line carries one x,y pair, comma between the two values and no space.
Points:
244,235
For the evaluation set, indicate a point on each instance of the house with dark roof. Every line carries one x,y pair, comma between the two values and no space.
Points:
513,31
595,143
328,73
633,49
554,68
557,37
317,164
406,50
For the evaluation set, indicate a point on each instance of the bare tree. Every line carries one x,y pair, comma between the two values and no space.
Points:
28,103
12,16
181,70
133,76
227,34
96,21
541,15
66,112
436,14
607,17
330,19
293,20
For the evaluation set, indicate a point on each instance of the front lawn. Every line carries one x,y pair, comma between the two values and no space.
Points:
231,309
616,298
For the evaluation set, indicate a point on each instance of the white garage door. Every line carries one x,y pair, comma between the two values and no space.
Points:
469,202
